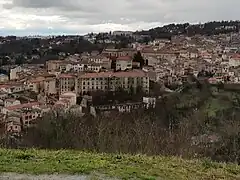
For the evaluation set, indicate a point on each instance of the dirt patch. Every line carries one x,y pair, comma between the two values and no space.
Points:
13,176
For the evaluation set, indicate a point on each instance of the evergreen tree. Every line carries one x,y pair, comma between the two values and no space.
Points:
138,58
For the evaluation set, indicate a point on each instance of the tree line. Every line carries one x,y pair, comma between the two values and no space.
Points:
190,124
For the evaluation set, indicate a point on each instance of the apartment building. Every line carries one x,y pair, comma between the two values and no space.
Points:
54,65
111,81
123,63
14,71
50,86
102,60
67,83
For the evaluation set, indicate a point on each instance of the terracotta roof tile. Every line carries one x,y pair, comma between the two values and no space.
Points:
124,58
20,106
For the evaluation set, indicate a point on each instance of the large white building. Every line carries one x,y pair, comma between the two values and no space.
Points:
104,81
123,63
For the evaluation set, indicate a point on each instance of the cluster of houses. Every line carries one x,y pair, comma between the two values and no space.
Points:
30,90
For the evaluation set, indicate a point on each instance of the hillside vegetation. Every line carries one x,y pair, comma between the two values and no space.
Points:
202,121
112,165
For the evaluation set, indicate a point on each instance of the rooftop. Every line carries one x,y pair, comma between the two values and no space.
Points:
67,76
124,58
133,73
20,106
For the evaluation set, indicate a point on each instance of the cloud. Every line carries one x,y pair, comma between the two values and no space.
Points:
82,16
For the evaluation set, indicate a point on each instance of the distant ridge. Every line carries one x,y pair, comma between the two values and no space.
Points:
208,28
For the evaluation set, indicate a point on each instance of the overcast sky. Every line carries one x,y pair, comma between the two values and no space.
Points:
30,17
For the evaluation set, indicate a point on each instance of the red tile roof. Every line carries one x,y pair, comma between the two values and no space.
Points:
67,76
20,106
124,58
133,73
236,56
4,86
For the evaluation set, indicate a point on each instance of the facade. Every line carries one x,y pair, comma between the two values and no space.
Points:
28,115
53,65
14,71
101,60
123,63
13,125
152,60
3,78
11,102
13,88
119,52
34,85
111,81
15,108
50,86
71,97
66,83
234,61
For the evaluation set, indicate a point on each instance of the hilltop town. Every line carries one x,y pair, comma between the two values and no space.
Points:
90,82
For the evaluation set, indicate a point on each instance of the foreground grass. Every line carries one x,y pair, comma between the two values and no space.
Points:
121,166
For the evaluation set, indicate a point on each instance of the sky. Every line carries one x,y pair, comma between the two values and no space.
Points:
49,17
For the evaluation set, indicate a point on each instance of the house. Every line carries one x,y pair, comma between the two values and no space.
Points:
3,94
216,80
50,86
53,65
206,55
29,115
150,102
13,125
152,60
12,88
27,112
4,78
70,96
11,102
234,60
78,67
100,59
14,71
123,63
14,108
34,85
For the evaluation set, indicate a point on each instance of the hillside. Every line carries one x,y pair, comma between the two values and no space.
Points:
208,28
119,166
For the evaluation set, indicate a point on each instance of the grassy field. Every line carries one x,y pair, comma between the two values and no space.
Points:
120,166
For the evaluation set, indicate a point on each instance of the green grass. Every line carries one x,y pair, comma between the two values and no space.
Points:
121,166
